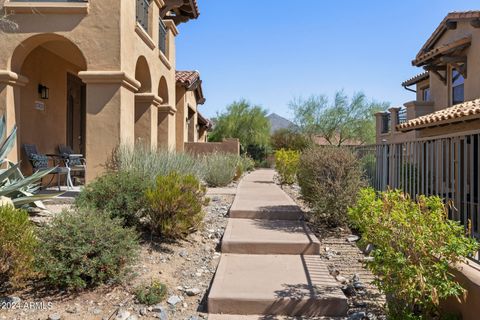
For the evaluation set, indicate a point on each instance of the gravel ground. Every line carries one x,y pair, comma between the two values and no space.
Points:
345,261
186,267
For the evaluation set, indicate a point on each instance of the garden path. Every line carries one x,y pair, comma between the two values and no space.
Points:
270,263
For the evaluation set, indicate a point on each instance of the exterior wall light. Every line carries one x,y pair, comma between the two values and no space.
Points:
43,91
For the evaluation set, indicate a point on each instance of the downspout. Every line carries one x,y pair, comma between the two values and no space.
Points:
407,88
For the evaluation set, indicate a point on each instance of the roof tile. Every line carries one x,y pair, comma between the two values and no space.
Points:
454,113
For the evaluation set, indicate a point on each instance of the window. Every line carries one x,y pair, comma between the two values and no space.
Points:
457,87
426,94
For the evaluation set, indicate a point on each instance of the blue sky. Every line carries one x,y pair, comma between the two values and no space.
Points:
269,51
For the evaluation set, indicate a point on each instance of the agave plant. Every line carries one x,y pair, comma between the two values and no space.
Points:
14,185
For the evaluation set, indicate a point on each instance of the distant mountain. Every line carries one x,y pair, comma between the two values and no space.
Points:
278,122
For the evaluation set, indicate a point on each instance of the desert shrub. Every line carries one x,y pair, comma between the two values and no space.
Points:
82,249
120,194
221,169
329,178
289,139
151,294
247,163
414,244
152,163
175,205
17,245
286,163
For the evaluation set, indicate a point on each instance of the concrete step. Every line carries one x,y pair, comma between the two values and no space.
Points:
260,236
275,285
258,197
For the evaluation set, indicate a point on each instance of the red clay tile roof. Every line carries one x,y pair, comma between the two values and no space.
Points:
204,121
456,113
416,79
438,51
442,27
187,78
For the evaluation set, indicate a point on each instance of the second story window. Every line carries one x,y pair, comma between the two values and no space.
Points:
426,94
458,81
162,37
142,13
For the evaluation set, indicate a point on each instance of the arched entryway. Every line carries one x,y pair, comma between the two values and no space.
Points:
145,106
50,109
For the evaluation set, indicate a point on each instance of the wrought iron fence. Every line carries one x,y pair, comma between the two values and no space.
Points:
445,166
386,123
402,116
162,36
142,13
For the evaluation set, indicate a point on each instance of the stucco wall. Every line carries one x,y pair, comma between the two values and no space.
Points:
468,307
105,43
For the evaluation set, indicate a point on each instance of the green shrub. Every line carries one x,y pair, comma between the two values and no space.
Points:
84,248
286,163
414,245
329,178
247,163
17,245
120,194
175,205
152,163
289,139
151,294
221,169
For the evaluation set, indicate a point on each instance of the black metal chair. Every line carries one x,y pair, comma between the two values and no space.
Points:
76,162
41,161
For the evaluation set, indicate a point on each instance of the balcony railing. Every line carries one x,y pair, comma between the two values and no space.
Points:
402,116
386,123
142,13
162,37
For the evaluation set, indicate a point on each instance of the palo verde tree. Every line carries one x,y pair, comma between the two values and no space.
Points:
339,121
245,121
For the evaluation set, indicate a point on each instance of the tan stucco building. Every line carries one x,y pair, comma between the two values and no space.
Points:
189,97
447,92
94,74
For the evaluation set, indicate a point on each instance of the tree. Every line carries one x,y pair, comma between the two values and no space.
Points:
344,120
289,139
242,120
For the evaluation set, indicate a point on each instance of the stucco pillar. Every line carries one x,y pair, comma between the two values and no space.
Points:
379,126
110,116
146,119
10,84
166,127
393,119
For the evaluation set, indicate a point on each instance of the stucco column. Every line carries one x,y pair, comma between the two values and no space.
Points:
110,116
166,127
146,119
10,84
379,126
393,119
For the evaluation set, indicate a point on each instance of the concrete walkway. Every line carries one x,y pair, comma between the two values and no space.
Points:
270,261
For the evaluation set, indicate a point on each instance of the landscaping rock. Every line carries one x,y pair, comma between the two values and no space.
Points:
341,279
174,300
162,314
353,238
143,311
122,315
358,316
133,317
54,316
192,292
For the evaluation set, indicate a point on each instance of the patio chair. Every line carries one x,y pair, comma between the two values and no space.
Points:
76,162
41,161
